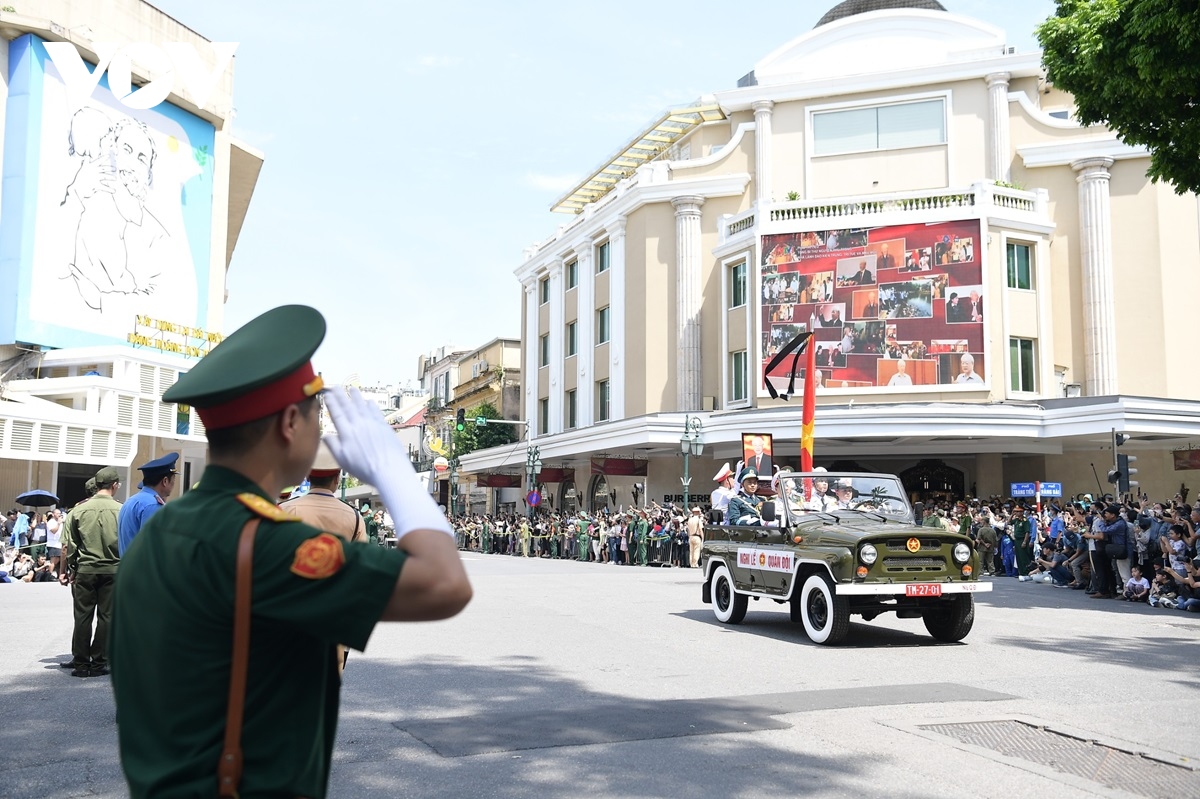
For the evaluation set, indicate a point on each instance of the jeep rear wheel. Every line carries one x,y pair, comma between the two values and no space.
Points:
826,616
728,605
952,619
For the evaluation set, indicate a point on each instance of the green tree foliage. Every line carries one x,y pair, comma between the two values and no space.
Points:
492,435
1135,65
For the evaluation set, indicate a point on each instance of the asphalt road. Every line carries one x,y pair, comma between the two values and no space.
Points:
581,680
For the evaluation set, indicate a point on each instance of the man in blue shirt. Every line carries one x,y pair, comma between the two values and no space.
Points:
158,481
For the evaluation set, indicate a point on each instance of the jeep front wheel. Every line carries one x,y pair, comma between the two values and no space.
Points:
952,619
728,605
826,616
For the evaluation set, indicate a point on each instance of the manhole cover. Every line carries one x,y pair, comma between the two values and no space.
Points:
1127,771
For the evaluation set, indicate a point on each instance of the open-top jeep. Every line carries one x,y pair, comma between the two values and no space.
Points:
835,544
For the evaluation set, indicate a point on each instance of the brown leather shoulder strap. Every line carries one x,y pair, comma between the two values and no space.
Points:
229,769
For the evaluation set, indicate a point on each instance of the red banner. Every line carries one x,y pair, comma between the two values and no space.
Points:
550,474
1186,459
499,480
620,467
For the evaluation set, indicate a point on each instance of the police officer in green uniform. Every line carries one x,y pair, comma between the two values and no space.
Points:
91,529
643,535
172,650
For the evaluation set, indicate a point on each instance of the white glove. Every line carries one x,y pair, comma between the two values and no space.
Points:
366,447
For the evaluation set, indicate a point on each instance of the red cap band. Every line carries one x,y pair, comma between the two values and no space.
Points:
264,401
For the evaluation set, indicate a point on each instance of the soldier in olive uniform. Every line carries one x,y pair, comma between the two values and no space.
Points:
172,632
92,559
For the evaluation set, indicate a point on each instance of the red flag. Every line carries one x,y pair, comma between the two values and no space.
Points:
810,407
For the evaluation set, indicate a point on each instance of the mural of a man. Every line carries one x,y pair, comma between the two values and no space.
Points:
116,236
967,373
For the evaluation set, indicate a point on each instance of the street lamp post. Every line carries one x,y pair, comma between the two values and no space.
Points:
533,467
690,443
453,490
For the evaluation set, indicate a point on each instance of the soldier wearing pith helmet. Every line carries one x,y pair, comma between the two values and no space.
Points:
188,725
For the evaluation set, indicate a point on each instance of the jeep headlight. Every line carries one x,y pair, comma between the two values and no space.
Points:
962,552
867,554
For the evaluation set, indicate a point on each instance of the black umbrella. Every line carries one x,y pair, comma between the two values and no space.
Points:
37,498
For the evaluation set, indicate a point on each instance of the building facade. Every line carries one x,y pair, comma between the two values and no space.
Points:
119,216
991,286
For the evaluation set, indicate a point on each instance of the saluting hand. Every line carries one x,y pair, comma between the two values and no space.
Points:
365,445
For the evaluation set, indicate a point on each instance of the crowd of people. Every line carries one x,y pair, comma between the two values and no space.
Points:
31,543
638,537
1134,550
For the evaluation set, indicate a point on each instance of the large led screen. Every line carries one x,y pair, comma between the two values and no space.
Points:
891,307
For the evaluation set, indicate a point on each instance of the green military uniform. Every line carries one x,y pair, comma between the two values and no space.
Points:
372,526
91,529
1022,530
643,533
183,568
174,608
486,543
582,538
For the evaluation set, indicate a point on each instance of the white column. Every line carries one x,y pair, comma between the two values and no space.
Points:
530,379
1095,260
616,319
762,151
586,308
999,158
688,278
556,345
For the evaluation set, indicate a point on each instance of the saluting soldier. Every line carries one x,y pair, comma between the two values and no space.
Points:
158,481
200,714
745,508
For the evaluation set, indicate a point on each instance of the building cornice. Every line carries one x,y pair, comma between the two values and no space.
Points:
1019,65
1069,152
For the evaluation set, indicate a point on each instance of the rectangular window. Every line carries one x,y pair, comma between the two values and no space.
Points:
884,127
569,411
572,270
571,339
602,326
544,350
737,285
544,290
737,376
602,258
1020,272
602,401
1022,364
544,415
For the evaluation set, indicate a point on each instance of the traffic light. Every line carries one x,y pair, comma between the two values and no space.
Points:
460,421
1126,470
1122,466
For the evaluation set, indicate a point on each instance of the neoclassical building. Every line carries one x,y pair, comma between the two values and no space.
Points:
993,288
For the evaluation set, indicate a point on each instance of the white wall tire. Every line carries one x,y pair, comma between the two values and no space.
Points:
825,615
728,605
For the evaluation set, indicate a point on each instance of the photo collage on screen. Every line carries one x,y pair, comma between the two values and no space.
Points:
898,306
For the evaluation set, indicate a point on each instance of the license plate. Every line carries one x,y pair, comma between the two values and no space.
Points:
923,589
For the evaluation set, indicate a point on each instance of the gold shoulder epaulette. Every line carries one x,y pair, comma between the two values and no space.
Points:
264,508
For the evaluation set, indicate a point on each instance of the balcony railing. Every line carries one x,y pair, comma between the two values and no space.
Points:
979,199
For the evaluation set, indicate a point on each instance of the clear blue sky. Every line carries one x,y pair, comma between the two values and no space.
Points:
413,149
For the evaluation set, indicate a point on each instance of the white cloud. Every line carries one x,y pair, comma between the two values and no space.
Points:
554,183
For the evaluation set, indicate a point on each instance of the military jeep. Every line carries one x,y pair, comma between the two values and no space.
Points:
832,545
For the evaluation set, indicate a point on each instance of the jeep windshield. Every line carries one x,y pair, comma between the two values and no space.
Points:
831,492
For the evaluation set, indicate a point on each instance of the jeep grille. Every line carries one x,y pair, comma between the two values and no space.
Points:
914,564
901,544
